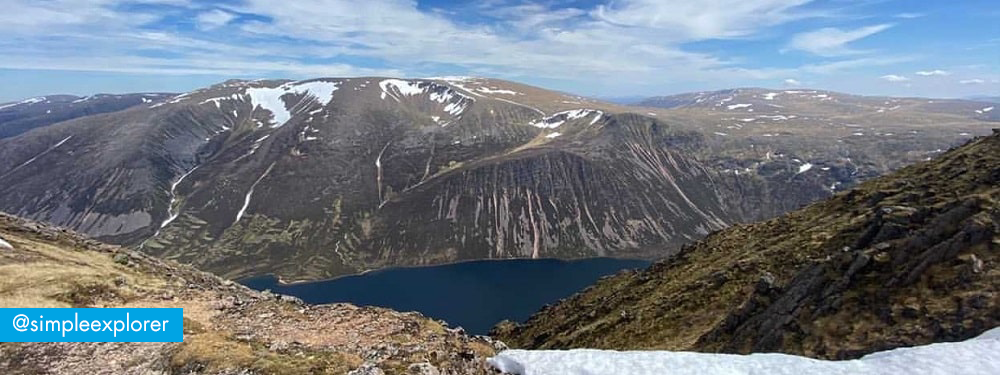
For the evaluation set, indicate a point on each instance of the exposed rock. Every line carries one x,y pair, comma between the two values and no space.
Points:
423,369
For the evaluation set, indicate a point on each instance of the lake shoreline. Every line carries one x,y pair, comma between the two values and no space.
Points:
283,283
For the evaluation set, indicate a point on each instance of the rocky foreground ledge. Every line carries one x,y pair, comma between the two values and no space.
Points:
228,328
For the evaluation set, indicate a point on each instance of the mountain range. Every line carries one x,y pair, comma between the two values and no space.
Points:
325,177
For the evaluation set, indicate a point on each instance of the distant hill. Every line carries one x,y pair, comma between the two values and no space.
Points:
19,117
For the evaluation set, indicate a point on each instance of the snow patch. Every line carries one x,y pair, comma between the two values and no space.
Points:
559,118
270,99
976,356
246,200
770,96
553,135
455,102
738,106
487,90
805,167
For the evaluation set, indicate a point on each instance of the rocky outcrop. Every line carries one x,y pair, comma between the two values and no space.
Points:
907,259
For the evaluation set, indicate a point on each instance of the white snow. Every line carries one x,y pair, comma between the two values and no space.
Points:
805,167
487,90
53,147
171,215
977,356
5,244
406,88
738,106
246,200
553,135
456,102
26,101
270,99
770,96
559,118
721,133
987,109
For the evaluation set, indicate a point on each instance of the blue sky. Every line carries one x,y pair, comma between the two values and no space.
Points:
597,48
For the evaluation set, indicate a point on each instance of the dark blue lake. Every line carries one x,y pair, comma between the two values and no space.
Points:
474,295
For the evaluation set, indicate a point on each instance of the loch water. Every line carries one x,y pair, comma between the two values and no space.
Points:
474,295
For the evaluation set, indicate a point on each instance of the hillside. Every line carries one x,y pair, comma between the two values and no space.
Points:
906,259
228,329
325,177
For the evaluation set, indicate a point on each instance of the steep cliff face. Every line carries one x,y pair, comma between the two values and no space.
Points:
906,259
319,178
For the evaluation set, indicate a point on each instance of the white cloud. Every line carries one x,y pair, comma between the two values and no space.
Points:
909,15
894,78
973,81
214,19
935,72
792,82
832,41
696,20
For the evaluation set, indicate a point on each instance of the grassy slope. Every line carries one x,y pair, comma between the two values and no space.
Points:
228,328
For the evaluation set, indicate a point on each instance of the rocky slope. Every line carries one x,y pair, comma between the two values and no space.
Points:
319,178
228,329
907,259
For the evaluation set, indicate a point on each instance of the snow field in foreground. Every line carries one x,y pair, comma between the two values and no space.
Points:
980,355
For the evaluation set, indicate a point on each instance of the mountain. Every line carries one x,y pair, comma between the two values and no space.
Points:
228,329
815,103
906,259
325,177
985,98
22,116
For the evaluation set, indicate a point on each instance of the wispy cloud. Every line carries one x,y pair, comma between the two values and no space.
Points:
214,19
935,72
792,82
833,41
972,81
894,78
